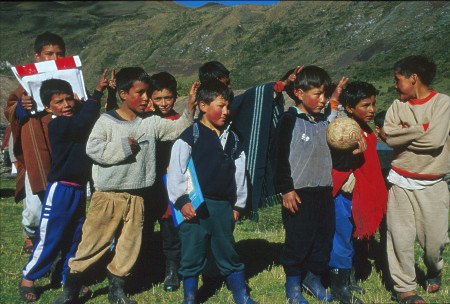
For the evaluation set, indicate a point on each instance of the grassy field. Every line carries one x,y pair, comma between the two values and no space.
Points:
259,245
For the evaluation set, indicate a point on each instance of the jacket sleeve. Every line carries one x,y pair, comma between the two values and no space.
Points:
436,131
168,130
241,182
282,168
104,151
177,178
399,134
78,125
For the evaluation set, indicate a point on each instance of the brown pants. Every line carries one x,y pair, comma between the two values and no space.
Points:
411,213
109,211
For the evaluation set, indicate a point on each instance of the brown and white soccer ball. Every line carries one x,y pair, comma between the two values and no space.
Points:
343,133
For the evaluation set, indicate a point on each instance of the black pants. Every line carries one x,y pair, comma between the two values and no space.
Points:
309,232
171,243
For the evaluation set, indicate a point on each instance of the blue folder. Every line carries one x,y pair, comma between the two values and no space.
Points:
195,193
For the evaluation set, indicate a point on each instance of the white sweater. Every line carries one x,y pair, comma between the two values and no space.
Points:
115,167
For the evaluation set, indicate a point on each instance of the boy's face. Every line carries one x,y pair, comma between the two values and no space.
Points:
215,113
312,100
405,86
364,110
61,104
49,52
163,100
136,99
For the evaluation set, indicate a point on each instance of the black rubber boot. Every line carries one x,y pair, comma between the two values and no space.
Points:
71,289
116,294
171,280
353,284
340,286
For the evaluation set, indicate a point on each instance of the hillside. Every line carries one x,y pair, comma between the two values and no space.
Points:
361,40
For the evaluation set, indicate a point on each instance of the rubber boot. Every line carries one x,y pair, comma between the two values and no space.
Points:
171,280
71,289
116,294
236,284
190,286
294,290
313,285
353,284
340,286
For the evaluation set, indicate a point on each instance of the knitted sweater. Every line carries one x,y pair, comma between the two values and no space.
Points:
115,167
418,130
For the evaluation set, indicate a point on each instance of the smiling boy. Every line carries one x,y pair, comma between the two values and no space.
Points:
356,177
122,146
64,205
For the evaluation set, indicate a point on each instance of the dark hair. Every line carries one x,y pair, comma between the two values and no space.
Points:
212,70
379,119
210,90
161,81
50,87
416,64
313,77
126,77
48,38
355,91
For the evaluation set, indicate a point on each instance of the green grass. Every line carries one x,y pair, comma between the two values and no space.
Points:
259,245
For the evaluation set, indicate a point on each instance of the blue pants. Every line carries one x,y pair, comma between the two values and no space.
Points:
342,251
62,217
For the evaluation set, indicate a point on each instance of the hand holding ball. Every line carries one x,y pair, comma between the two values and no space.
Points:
343,134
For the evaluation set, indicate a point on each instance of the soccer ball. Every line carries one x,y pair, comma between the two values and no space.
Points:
343,133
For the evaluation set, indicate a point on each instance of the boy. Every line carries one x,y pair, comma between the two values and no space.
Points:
214,70
122,146
220,166
356,177
302,174
31,143
417,127
163,94
65,197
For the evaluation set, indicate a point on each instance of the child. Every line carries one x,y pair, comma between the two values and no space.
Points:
356,177
214,70
65,198
163,94
302,174
220,166
31,143
122,146
417,127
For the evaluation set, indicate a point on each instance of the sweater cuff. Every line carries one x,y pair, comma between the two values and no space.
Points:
181,201
334,104
279,86
238,209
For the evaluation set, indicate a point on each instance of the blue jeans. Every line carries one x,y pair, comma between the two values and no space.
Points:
342,251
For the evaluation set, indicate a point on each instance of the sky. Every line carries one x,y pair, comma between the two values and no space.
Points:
229,2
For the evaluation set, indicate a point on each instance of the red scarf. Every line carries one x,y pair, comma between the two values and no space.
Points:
369,195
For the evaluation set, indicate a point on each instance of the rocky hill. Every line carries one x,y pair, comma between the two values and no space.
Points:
361,40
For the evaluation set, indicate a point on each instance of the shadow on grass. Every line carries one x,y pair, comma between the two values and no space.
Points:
4,193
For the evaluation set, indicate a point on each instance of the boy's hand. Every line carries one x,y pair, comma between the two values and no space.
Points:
293,76
103,82
290,201
236,215
362,146
134,145
191,101
112,82
27,102
188,212
337,92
